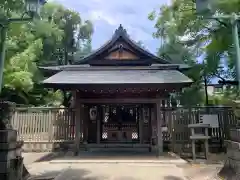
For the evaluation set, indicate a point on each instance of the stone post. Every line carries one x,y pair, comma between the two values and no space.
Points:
11,161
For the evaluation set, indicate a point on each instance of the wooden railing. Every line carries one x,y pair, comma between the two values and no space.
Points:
46,128
178,119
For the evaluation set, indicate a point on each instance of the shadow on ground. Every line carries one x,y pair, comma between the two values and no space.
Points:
228,173
50,156
125,178
45,176
69,174
217,158
79,174
172,178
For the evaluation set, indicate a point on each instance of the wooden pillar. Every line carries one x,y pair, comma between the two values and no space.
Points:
81,122
77,124
159,129
85,122
193,145
206,144
98,128
83,116
140,124
153,127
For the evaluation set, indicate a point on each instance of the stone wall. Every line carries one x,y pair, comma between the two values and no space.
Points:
11,162
231,169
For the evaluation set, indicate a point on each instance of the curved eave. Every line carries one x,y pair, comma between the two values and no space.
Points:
118,78
228,82
50,68
121,33
56,69
49,71
168,86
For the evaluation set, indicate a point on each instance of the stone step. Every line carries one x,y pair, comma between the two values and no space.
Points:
120,149
120,161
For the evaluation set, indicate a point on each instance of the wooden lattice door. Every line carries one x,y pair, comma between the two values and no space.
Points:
120,124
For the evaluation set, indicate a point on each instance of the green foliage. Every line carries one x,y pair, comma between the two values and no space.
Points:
192,96
208,36
236,107
21,68
30,44
76,33
187,36
6,111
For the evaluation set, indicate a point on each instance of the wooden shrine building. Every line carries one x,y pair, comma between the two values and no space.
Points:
118,93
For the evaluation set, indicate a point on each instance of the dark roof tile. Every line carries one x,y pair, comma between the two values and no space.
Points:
118,77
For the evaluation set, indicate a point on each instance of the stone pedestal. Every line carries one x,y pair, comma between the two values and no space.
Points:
199,137
11,162
231,169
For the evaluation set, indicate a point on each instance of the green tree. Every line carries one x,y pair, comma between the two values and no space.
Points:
178,24
205,36
36,43
178,53
76,37
76,33
84,48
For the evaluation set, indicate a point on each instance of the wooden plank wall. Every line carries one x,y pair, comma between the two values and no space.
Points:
43,129
178,133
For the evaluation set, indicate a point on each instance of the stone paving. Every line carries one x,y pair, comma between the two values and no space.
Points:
30,158
201,172
108,171
118,171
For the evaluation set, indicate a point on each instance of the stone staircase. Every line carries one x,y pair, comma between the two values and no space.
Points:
118,147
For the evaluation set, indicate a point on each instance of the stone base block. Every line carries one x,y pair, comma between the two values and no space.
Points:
42,146
232,162
8,135
11,162
6,155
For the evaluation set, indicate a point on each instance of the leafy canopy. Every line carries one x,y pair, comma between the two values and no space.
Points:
30,44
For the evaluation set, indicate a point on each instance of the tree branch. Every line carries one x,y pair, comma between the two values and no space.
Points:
221,22
219,76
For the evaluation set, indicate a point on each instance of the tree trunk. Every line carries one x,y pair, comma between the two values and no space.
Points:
206,91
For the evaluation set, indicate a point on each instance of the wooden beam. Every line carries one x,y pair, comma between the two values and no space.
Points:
118,101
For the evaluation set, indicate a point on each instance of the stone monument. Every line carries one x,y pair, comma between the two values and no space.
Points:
231,169
11,161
